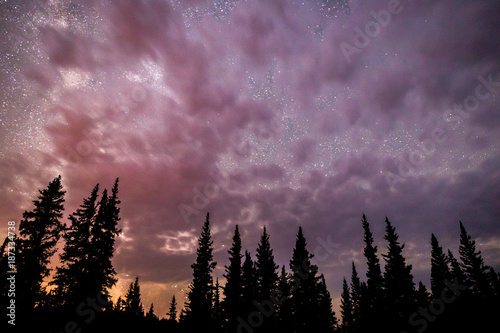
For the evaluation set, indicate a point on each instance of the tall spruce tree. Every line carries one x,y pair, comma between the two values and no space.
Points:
399,285
104,232
372,311
326,316
456,271
284,293
40,230
373,273
232,304
439,268
472,264
267,279
358,298
199,306
304,293
422,296
89,247
346,308
217,316
248,285
151,313
172,310
133,302
495,281
265,268
73,275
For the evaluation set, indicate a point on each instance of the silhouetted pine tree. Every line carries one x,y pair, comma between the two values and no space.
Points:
495,281
346,308
119,306
439,268
373,297
200,296
103,234
151,313
248,285
265,268
133,302
422,296
399,286
39,230
473,264
326,316
89,247
456,271
217,316
374,280
267,278
72,277
172,310
284,311
232,304
304,292
358,300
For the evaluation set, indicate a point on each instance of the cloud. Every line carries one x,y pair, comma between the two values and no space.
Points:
258,117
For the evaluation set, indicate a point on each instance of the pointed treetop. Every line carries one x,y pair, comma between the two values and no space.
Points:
472,263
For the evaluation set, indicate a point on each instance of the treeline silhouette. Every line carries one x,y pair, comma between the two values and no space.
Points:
258,296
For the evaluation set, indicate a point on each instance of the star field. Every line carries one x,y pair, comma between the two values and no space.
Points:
255,105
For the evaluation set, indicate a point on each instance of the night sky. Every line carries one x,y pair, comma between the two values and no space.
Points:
265,113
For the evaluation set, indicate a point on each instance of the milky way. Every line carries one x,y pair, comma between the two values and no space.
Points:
275,113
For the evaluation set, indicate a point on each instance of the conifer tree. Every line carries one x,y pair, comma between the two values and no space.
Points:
119,305
284,312
217,308
232,304
248,285
373,274
172,310
104,232
358,295
398,279
326,316
200,296
133,302
346,308
439,268
265,266
455,269
267,279
495,281
305,293
472,264
151,313
39,231
372,311
422,296
72,277
89,247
